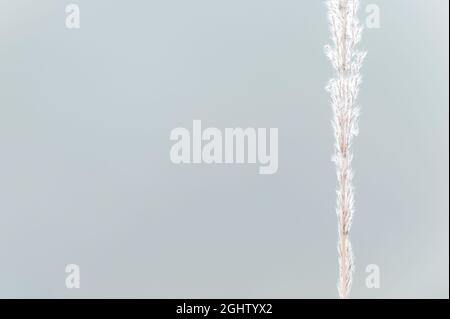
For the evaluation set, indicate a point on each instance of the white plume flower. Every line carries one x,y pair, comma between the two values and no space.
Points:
347,61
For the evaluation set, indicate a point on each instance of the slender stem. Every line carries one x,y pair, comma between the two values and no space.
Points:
345,34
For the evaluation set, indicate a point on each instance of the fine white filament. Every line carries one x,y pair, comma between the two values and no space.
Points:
343,88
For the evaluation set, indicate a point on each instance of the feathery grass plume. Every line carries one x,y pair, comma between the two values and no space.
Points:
347,61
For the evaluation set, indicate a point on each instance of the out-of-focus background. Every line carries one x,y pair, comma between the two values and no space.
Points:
85,174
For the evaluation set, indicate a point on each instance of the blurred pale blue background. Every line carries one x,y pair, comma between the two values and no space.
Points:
85,175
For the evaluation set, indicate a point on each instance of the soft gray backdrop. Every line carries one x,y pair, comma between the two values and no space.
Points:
85,174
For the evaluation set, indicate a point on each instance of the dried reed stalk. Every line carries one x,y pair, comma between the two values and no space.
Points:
347,61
